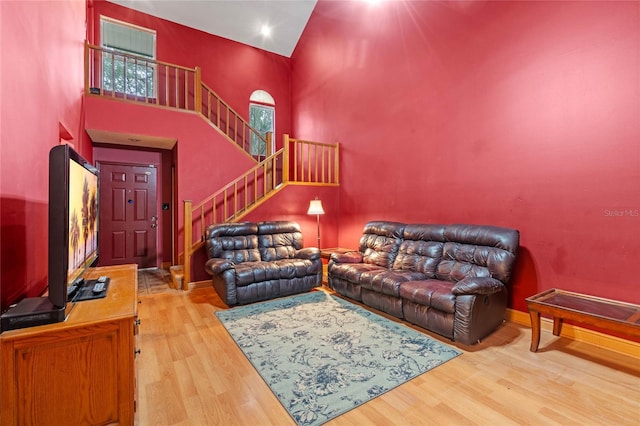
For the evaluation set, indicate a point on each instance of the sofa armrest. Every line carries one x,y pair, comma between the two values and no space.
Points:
309,253
477,285
349,257
217,266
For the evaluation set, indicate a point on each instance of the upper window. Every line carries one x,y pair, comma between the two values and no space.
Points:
262,117
127,60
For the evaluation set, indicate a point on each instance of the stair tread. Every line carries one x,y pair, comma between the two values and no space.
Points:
177,275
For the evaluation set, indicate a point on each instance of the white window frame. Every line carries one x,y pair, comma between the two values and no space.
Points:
262,100
151,56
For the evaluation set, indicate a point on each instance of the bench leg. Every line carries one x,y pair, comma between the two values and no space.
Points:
535,330
557,326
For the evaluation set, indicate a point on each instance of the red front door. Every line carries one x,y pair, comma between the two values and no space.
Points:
128,215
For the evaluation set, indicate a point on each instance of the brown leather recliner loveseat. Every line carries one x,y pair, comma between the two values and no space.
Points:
449,279
249,262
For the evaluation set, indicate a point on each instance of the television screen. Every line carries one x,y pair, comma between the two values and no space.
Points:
83,220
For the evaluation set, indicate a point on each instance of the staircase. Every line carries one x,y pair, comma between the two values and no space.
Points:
136,79
299,162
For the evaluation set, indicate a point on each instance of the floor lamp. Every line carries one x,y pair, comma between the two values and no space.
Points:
315,207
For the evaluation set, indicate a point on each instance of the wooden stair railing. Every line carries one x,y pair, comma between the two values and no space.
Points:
299,162
232,124
138,79
312,163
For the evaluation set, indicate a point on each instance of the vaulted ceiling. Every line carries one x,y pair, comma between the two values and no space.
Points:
238,20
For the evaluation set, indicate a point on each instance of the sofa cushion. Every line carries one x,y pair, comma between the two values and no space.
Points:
431,293
297,268
388,282
478,251
460,261
380,241
279,240
352,271
477,285
253,272
348,257
421,249
235,242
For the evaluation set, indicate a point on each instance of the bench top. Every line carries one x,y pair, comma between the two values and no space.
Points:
554,300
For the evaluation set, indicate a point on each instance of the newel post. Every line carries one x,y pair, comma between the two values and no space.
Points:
269,148
86,67
337,164
285,159
198,90
188,242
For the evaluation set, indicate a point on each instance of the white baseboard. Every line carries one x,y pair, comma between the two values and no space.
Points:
579,334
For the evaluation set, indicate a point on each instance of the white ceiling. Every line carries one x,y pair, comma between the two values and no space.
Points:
239,20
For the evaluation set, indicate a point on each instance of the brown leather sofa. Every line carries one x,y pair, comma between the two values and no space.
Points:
249,262
449,279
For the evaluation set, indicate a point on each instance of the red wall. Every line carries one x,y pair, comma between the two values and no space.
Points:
205,162
518,114
231,69
41,79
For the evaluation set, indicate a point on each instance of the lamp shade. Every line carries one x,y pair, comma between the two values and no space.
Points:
315,207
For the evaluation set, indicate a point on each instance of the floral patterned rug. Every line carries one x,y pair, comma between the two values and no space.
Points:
323,356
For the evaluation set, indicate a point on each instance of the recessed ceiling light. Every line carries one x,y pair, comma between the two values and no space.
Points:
265,30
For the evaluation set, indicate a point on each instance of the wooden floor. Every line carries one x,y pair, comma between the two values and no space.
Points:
190,372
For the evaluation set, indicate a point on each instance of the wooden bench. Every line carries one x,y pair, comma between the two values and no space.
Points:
605,314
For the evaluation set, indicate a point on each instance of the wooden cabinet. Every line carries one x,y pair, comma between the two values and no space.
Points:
80,371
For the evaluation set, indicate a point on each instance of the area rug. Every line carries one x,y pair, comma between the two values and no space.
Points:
323,356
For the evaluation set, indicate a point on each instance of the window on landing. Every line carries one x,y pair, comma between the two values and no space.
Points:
262,117
127,65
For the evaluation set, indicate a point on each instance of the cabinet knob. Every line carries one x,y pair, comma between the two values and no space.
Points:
137,321
136,352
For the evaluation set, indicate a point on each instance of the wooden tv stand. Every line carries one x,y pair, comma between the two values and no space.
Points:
603,313
80,371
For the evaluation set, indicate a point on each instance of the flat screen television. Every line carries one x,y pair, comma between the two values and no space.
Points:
73,239
73,222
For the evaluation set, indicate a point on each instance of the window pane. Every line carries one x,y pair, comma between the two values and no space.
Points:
262,119
136,78
128,39
124,74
